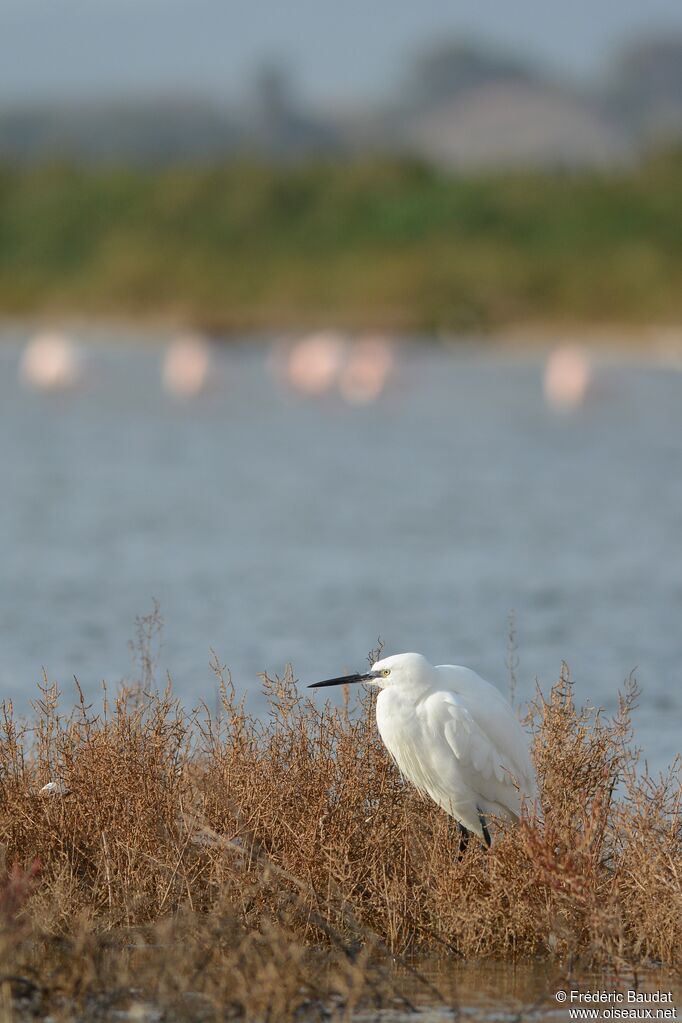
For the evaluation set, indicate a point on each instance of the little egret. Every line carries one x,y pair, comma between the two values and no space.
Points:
54,788
454,736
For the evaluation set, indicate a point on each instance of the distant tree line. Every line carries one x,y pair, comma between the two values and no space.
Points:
382,243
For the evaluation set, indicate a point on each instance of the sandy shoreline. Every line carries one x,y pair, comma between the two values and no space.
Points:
529,337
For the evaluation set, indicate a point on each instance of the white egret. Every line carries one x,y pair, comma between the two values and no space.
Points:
453,735
54,788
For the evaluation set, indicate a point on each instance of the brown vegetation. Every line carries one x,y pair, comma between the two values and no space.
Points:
261,867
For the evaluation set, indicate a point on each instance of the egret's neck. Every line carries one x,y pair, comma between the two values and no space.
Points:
408,690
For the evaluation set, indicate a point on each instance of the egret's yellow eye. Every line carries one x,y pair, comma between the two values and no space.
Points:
385,672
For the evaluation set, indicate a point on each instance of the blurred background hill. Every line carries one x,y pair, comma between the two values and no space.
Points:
427,169
458,103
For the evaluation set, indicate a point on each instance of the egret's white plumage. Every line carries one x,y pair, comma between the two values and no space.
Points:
454,736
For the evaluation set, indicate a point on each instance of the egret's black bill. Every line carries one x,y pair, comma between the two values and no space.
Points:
345,680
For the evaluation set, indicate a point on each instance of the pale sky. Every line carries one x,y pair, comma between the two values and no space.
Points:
339,51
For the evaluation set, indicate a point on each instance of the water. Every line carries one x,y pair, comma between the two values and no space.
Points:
505,992
275,529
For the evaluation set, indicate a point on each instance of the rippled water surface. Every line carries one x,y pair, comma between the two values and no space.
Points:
506,993
278,529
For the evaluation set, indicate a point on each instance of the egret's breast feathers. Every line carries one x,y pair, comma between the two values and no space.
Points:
401,731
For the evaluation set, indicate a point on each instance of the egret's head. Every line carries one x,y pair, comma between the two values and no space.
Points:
389,671
400,668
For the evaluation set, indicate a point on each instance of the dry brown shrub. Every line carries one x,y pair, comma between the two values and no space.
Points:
243,847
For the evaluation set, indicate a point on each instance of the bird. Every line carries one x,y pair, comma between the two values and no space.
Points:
54,788
51,362
364,376
187,366
454,736
568,378
314,362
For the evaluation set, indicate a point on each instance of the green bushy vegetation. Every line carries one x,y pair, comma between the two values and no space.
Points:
372,244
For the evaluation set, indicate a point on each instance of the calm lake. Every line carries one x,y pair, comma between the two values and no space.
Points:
279,528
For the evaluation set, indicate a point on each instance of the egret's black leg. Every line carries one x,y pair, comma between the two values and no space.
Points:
464,836
484,826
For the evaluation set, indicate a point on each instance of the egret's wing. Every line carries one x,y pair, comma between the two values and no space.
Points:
489,744
469,743
494,718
